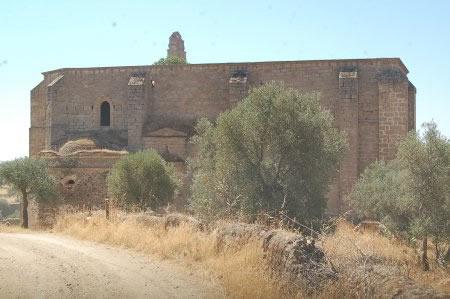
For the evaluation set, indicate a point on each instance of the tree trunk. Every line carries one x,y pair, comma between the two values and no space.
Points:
447,256
107,208
438,252
25,210
425,264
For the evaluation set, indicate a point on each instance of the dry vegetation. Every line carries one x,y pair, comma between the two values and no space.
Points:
241,272
386,265
368,264
12,229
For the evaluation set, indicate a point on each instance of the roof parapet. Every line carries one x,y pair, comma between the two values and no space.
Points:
142,68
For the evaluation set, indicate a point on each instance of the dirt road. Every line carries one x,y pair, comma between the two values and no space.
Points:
40,265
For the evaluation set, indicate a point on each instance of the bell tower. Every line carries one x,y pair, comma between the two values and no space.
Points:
176,46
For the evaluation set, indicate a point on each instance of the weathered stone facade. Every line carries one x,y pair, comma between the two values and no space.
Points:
81,181
156,106
176,46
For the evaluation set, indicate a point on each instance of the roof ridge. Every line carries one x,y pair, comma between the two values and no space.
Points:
142,67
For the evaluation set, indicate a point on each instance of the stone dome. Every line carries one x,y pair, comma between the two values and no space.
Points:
73,146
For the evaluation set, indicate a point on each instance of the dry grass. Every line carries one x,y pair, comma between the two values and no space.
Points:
347,249
241,272
244,272
12,229
348,245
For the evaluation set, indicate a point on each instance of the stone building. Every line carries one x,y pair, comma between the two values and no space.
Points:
156,106
81,170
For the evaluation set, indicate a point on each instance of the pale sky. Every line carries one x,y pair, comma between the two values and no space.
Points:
38,36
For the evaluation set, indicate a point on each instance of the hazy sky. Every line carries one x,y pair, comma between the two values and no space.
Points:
37,36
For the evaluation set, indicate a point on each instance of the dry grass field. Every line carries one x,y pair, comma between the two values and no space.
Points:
13,229
350,251
364,261
241,272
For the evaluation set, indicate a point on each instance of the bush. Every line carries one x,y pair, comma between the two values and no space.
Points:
381,194
143,179
276,151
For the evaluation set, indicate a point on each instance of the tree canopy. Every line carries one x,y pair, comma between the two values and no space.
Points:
275,151
426,157
143,179
411,194
170,60
28,177
381,194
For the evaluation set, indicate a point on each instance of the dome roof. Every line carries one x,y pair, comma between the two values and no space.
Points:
73,146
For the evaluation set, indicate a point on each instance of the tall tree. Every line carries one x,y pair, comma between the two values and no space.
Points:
426,157
411,194
30,179
275,151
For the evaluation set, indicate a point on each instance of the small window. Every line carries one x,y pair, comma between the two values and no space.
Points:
105,114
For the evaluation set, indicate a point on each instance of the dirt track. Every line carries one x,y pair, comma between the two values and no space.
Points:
42,265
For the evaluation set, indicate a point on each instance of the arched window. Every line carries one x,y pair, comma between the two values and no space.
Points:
105,114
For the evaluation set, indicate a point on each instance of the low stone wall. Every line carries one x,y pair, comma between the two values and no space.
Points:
289,254
163,221
295,258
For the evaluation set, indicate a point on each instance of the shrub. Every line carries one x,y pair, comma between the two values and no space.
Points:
381,194
143,179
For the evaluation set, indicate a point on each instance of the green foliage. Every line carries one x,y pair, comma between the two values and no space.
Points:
381,194
143,179
27,176
275,151
427,159
412,193
170,60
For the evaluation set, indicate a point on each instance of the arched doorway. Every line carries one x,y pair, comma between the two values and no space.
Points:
105,114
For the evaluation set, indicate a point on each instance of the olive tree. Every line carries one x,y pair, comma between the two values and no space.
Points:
411,194
426,157
381,194
30,179
143,179
275,151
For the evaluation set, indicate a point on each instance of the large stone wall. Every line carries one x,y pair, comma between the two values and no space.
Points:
371,99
